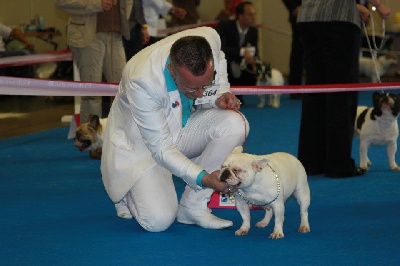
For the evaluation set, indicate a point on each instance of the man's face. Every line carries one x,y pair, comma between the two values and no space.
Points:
190,85
248,18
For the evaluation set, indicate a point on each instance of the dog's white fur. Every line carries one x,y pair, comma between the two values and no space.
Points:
378,126
275,78
256,181
383,63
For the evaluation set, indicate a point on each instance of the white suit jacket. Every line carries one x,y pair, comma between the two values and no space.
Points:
145,122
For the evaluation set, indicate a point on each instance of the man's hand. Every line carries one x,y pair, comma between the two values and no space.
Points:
107,4
228,101
178,12
212,181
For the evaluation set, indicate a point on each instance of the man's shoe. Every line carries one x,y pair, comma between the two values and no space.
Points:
357,171
122,210
202,218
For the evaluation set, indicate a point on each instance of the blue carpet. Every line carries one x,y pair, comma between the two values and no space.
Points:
54,210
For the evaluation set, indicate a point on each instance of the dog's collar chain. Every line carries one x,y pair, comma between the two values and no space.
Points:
265,206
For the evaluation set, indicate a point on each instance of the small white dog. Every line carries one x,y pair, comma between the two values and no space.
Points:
267,181
377,125
267,76
383,63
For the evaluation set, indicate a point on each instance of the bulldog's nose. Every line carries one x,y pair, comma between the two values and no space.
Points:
225,175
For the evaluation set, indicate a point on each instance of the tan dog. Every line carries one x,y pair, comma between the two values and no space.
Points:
89,136
266,181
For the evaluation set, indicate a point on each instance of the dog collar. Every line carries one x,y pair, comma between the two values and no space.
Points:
265,206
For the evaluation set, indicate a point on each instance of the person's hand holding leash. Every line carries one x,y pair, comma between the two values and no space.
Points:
212,181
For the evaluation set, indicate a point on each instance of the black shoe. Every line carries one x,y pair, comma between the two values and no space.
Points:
355,172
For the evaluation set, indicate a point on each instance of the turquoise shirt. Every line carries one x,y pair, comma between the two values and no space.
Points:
185,101
186,108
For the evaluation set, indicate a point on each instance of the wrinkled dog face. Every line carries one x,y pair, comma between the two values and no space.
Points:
86,134
263,73
386,103
239,169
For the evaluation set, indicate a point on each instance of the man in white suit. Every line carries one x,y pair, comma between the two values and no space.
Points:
153,131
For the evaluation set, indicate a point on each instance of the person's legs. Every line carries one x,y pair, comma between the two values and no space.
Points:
135,43
209,136
341,108
296,58
311,150
89,61
153,201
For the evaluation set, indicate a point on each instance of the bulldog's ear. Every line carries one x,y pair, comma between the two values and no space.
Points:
238,149
258,165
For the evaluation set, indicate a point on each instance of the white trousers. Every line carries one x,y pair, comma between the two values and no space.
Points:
104,55
208,137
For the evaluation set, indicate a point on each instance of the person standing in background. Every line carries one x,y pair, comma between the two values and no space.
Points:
192,15
139,34
227,12
153,10
239,42
94,35
296,62
330,31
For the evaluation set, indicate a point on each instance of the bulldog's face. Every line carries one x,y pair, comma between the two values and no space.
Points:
386,103
86,134
239,169
263,73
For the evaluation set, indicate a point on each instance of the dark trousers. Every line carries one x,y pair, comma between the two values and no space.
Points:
135,43
327,119
296,63
26,71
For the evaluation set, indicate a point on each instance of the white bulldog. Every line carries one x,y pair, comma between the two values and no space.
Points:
267,181
378,125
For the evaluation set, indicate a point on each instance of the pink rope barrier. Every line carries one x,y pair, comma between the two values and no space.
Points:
10,61
41,87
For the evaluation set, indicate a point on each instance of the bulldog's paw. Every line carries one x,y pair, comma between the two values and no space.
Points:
276,235
262,224
95,154
241,232
396,168
303,229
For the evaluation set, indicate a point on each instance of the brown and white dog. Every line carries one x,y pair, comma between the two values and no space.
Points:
89,136
267,76
383,62
266,181
378,125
